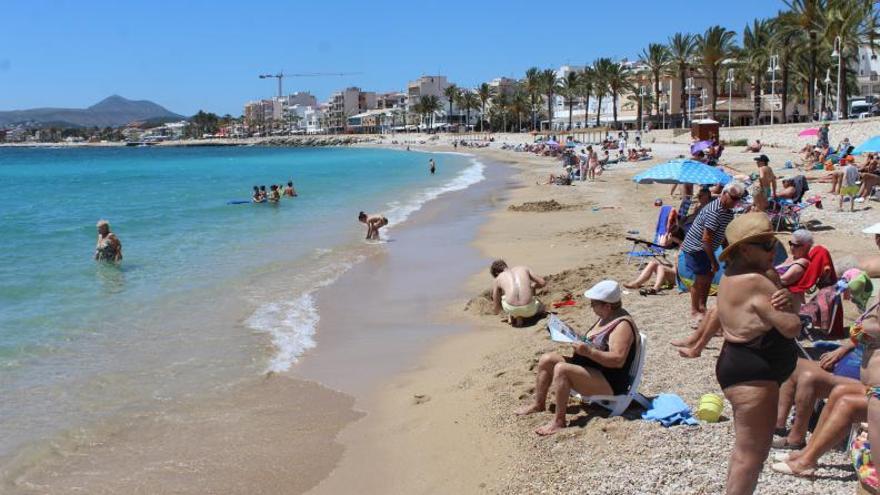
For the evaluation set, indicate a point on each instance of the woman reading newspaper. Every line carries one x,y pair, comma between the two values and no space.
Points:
600,361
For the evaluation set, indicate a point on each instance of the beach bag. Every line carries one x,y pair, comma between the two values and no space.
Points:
860,453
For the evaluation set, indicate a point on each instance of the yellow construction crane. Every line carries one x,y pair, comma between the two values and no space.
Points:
281,75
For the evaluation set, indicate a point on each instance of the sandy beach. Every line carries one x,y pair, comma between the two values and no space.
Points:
447,425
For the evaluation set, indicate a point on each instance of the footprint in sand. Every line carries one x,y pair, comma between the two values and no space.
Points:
420,399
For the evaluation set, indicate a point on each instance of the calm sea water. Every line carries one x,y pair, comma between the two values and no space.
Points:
207,291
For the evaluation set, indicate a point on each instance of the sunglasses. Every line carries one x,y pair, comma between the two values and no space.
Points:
794,244
766,246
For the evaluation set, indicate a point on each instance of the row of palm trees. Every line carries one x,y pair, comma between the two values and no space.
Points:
808,39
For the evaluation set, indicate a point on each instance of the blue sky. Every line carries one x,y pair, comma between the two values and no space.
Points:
191,55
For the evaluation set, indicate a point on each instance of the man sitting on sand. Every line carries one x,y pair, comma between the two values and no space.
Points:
513,291
754,148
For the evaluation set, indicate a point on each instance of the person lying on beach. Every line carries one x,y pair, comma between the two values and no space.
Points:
289,191
373,223
513,291
599,365
559,180
663,275
754,148
108,247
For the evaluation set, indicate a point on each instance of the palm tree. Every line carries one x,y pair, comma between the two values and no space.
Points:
586,90
519,105
682,48
550,86
501,104
808,17
467,102
600,83
754,57
570,88
657,58
617,78
784,40
451,93
484,92
533,89
854,22
714,47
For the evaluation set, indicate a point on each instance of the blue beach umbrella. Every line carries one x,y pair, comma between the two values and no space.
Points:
682,171
870,146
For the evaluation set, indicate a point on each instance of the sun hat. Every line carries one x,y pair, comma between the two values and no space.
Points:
607,291
762,158
873,229
745,228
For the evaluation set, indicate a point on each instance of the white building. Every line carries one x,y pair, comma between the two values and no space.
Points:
867,71
426,86
313,120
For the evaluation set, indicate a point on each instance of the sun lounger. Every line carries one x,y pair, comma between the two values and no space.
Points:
618,404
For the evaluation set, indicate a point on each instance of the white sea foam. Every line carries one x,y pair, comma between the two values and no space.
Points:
398,211
291,324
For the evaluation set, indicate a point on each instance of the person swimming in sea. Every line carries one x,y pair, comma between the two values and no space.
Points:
432,165
374,223
108,248
289,191
274,194
257,197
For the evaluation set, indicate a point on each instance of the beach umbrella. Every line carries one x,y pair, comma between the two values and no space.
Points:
870,146
809,132
700,146
682,172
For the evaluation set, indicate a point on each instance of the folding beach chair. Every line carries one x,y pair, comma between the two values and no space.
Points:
618,404
651,249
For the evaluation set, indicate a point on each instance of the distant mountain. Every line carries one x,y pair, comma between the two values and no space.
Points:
114,111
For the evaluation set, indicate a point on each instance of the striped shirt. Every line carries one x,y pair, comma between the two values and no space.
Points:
713,217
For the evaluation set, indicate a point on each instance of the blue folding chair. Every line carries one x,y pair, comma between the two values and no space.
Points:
652,250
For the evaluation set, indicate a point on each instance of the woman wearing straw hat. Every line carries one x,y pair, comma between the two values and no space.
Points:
600,363
759,352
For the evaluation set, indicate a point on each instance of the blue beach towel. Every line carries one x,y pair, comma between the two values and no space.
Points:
669,410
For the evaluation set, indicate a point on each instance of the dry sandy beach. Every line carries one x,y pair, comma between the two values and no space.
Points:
447,425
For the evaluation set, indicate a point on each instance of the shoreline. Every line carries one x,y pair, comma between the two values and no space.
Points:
445,425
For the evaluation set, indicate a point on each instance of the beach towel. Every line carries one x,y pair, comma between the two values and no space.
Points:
859,287
820,309
669,410
800,186
820,273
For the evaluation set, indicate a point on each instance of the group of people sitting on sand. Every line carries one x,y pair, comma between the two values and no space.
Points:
274,194
765,301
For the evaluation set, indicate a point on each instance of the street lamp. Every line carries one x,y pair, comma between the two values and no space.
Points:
703,100
837,54
774,64
729,97
688,88
641,107
827,88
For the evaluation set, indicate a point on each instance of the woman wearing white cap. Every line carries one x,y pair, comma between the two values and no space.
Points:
600,364
759,352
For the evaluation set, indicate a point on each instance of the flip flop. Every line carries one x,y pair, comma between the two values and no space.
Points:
647,292
782,443
784,468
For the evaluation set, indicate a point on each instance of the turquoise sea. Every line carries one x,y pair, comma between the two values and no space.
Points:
207,292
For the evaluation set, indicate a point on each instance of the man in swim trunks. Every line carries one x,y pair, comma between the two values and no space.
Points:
766,176
432,166
513,291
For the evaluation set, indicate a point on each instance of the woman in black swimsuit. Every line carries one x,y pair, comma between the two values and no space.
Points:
759,352
600,365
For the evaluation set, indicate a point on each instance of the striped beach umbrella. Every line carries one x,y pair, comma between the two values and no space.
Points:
682,171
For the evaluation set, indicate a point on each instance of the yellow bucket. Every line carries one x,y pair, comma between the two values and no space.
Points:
710,408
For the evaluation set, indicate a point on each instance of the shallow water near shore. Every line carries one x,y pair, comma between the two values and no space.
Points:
209,297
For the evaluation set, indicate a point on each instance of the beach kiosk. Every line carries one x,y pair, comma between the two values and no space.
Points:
705,130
